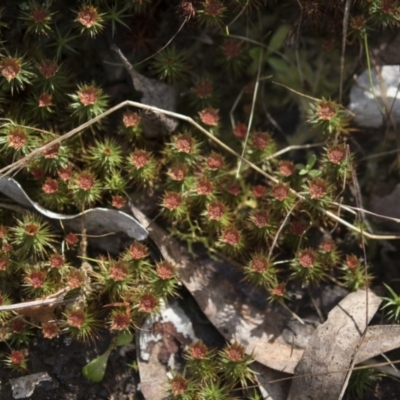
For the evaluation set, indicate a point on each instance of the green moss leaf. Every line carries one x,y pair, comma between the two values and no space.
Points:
123,338
95,370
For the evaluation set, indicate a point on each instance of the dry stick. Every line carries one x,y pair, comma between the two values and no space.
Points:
360,206
339,371
317,309
361,217
297,92
387,369
20,163
268,115
32,128
235,104
371,83
294,147
377,155
344,39
389,108
297,42
392,106
280,229
262,45
57,298
343,188
162,48
237,16
253,105
353,210
336,223
366,365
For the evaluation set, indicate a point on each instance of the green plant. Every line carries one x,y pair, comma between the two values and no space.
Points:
82,324
234,364
15,72
89,19
89,101
212,13
361,382
32,237
16,361
210,374
392,304
38,18
95,369
171,65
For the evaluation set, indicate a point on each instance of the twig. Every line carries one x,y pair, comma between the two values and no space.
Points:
57,298
253,105
339,371
301,78
235,104
344,39
280,229
162,48
294,147
262,45
357,196
25,160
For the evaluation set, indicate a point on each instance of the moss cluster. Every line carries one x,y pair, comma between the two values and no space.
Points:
218,179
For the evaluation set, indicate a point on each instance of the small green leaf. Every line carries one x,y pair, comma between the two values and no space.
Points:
278,38
314,173
123,338
278,64
311,161
95,370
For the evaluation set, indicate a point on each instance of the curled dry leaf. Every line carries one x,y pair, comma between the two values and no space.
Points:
107,224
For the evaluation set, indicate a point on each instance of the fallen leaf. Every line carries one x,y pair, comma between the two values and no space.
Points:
154,93
271,391
378,339
229,310
160,343
108,224
332,348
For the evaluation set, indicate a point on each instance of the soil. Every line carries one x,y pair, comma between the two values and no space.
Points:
63,360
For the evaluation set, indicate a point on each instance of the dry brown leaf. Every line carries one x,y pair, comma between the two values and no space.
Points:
153,382
156,94
160,344
378,339
260,330
332,347
271,391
